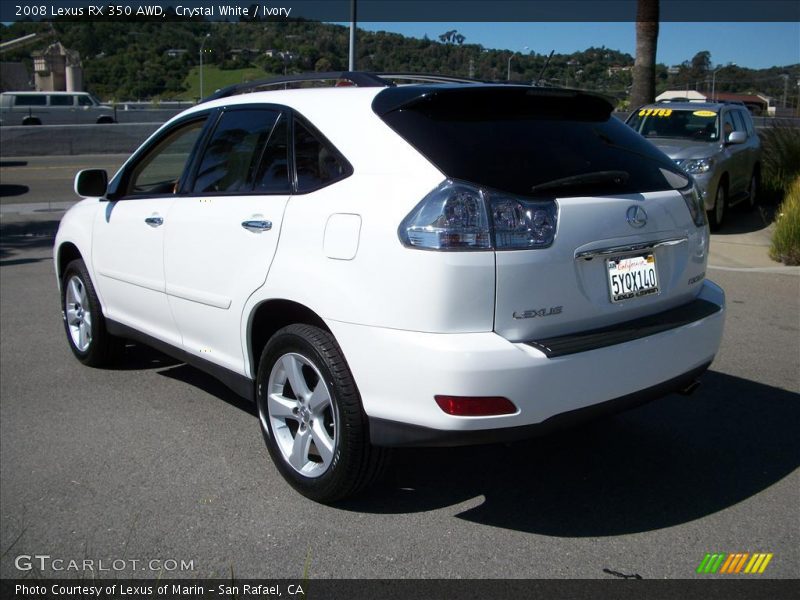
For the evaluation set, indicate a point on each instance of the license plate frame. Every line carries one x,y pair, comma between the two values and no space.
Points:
632,277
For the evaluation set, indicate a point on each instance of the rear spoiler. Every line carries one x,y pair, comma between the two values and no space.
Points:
501,97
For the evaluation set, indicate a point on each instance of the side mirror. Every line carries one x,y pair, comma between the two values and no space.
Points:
91,183
736,137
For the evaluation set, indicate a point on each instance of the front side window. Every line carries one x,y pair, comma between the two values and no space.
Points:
728,126
232,155
160,170
85,101
739,120
317,162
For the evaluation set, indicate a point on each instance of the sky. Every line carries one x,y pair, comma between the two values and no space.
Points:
752,45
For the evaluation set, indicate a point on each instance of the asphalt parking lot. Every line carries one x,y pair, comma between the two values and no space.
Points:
154,460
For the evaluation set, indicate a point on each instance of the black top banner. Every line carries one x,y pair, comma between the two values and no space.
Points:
399,10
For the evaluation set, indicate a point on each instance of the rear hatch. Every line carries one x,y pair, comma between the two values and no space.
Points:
628,237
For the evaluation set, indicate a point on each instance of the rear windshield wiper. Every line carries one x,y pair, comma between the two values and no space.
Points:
615,177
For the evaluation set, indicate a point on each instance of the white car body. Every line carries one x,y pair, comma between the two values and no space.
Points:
412,324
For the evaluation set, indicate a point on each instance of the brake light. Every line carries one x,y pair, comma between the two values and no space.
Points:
461,216
694,202
475,406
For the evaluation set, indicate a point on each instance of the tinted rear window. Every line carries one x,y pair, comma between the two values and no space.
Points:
513,139
32,100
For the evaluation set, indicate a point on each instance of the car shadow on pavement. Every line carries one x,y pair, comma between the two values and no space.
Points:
740,220
207,383
666,463
27,235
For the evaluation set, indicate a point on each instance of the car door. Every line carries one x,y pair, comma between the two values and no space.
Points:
224,230
749,149
128,236
736,155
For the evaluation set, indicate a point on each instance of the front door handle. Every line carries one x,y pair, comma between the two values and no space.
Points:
257,226
154,221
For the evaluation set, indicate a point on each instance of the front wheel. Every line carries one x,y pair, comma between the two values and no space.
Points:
717,214
85,326
310,413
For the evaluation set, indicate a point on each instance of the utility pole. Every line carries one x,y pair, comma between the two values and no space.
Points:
352,62
785,88
202,45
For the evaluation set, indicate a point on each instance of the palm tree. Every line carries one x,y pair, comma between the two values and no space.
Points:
643,90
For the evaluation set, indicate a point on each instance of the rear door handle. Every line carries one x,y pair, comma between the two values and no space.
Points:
257,226
154,221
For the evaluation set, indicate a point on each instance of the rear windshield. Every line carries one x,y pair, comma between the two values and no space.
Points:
701,125
512,140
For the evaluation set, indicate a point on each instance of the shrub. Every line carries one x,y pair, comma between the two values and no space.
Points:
786,237
780,160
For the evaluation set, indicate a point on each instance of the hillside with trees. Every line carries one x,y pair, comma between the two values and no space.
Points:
146,59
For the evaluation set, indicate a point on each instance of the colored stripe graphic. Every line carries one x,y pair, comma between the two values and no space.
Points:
721,562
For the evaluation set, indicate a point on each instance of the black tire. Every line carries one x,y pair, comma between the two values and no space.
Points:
102,347
716,216
353,463
31,121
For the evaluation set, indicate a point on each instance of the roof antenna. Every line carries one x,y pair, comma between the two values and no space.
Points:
544,68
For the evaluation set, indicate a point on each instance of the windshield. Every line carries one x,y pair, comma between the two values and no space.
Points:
701,125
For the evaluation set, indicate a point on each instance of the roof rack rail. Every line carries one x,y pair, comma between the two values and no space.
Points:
358,78
427,78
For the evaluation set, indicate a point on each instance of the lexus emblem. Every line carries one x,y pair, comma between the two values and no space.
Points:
636,216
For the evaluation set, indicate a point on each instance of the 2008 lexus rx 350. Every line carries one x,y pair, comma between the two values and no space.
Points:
388,265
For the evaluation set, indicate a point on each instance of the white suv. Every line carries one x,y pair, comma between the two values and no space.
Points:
389,265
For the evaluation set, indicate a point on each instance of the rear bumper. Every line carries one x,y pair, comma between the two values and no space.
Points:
392,433
399,372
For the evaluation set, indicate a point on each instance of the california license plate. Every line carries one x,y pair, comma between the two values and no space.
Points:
632,277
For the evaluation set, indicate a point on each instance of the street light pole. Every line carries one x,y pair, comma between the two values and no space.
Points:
508,74
714,84
352,61
202,45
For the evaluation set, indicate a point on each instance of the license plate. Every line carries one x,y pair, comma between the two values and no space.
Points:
632,277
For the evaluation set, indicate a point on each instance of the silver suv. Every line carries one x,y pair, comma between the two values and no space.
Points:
714,142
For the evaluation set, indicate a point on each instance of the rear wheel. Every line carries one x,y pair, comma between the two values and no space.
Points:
84,324
311,416
717,214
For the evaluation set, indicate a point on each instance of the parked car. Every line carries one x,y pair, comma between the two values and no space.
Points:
395,265
715,142
52,108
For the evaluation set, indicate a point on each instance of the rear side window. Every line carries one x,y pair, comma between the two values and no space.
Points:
232,155
60,100
32,100
272,176
317,162
514,139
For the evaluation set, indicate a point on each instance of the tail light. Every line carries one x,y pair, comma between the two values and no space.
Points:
695,204
461,216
